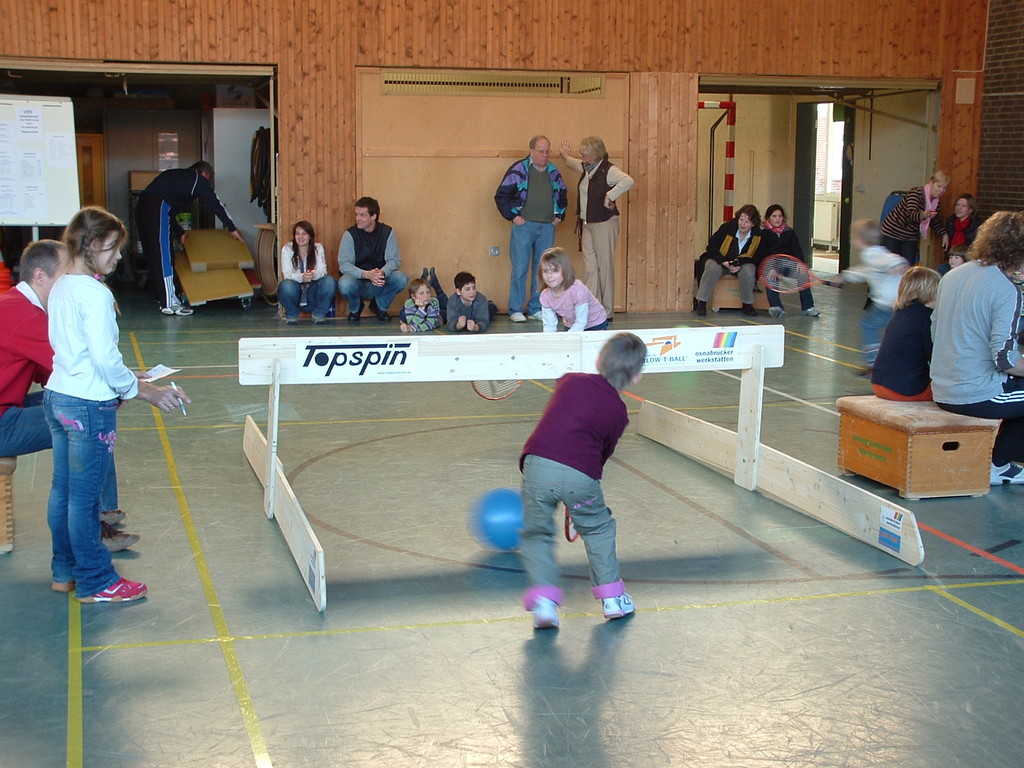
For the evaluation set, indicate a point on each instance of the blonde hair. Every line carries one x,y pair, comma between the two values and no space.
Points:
941,177
593,145
919,284
557,257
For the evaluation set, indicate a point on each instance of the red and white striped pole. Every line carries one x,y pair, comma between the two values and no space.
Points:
730,152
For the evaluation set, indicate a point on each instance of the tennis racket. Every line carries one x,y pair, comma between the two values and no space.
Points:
496,389
787,274
571,534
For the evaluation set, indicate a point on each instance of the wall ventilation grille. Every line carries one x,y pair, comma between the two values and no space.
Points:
471,82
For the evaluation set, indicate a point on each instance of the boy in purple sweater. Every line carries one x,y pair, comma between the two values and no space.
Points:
563,461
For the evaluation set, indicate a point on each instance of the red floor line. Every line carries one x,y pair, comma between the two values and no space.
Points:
970,548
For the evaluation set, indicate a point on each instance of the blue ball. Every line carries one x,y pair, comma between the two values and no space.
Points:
497,518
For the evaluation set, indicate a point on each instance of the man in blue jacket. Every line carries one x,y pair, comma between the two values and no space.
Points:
169,194
533,197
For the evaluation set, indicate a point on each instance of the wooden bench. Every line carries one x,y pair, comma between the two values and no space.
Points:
917,448
727,295
7,466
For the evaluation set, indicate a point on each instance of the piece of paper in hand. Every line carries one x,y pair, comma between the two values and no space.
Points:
158,372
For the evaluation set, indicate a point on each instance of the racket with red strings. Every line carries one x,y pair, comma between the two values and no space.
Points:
571,534
787,274
496,389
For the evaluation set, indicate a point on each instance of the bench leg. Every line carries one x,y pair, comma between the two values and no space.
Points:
7,467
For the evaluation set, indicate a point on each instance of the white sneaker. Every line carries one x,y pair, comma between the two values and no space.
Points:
776,311
177,309
617,607
1011,473
517,317
812,311
537,316
545,614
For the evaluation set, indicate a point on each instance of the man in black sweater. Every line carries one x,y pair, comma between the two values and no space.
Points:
169,194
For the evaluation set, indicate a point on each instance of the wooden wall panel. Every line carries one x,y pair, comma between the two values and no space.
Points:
663,142
318,44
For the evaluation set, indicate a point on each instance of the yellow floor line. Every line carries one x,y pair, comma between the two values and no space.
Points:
978,612
943,591
75,746
238,684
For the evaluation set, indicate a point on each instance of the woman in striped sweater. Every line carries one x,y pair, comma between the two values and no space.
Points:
913,216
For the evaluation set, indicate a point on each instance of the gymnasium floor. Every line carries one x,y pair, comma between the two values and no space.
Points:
761,637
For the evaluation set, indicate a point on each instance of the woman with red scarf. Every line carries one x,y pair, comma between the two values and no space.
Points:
775,221
962,226
915,214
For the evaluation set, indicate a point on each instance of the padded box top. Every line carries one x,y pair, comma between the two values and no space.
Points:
911,417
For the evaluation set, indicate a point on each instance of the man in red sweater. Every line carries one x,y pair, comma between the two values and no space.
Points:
26,358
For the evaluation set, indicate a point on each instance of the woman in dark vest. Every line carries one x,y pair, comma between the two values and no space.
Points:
597,216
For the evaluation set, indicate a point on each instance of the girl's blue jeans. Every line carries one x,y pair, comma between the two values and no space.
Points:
83,433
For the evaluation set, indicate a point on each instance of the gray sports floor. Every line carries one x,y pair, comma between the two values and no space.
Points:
762,638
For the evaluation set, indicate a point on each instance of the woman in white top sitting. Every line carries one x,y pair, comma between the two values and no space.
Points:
306,285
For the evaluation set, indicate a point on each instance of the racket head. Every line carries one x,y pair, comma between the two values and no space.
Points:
786,274
571,534
496,389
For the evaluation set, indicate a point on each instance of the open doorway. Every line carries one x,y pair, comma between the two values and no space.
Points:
134,120
823,179
876,137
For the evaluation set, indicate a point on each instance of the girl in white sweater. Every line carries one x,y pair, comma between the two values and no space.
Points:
88,384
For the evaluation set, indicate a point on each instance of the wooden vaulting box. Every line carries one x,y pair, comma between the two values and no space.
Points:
727,295
917,448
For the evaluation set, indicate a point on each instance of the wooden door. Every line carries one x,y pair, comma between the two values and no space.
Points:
92,179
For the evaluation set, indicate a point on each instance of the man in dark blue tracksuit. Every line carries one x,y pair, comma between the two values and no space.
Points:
167,195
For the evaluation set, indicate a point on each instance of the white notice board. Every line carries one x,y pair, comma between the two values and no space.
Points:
38,165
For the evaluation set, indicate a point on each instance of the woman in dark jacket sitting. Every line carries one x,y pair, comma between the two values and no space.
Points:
736,248
775,222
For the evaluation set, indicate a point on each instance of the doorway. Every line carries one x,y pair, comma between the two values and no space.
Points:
879,136
148,119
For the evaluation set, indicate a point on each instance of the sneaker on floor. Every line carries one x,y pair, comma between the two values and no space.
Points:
517,317
121,592
319,319
617,607
812,311
537,316
545,614
292,320
177,309
1008,474
115,540
776,311
112,516
749,311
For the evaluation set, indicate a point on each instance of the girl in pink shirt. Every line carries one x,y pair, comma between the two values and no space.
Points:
567,297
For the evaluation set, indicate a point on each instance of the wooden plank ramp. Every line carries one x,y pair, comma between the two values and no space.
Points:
794,484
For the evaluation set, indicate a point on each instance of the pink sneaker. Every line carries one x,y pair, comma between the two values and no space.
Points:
122,591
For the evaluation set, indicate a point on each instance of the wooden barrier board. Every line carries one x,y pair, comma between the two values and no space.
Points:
811,491
299,535
436,357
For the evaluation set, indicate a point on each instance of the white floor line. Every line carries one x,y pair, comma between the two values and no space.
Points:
794,398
